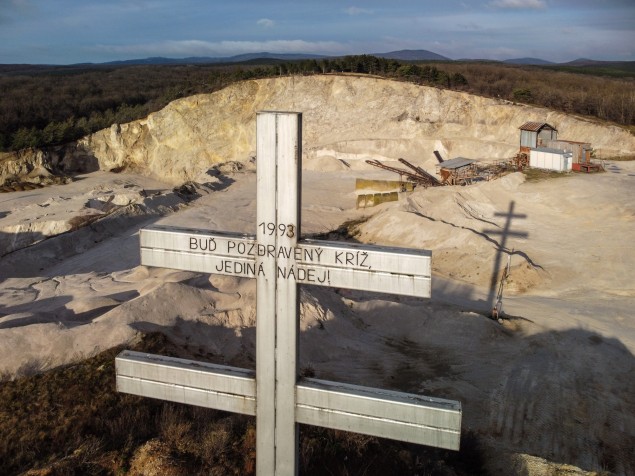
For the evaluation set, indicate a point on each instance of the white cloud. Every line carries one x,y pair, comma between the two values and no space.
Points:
519,4
358,11
266,22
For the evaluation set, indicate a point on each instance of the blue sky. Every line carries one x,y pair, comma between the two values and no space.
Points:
67,31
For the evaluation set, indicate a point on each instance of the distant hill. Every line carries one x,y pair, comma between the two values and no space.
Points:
265,55
206,59
412,55
585,62
595,63
155,60
624,69
404,55
529,61
401,55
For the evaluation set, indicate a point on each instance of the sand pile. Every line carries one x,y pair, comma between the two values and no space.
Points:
525,385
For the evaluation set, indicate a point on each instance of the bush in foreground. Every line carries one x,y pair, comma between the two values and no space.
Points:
71,421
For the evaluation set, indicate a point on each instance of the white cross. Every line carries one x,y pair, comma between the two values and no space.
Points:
279,261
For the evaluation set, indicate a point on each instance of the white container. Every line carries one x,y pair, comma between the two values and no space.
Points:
551,159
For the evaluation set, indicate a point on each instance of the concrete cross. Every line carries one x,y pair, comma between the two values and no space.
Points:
278,260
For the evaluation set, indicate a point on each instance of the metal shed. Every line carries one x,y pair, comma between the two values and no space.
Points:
581,150
457,171
534,134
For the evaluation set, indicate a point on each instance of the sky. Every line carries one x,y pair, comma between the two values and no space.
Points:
76,31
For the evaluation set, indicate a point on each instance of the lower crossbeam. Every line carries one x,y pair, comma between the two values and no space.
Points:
384,413
186,381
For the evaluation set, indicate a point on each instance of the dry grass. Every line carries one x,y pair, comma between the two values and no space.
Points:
621,158
538,175
72,421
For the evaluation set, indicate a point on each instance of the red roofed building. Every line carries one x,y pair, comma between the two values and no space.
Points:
533,134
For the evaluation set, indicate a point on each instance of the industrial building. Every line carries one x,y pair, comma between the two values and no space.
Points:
540,144
534,134
457,171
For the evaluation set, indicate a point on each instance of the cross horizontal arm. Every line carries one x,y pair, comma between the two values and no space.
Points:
186,381
384,413
387,259
200,263
517,234
323,263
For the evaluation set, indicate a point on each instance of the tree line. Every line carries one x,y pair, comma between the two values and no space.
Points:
59,105
42,106
601,96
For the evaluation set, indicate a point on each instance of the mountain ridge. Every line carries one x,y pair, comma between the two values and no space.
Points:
528,61
401,55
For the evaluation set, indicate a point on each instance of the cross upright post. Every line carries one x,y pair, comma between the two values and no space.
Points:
278,217
279,260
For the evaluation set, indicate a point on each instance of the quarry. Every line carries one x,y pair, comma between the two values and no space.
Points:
549,384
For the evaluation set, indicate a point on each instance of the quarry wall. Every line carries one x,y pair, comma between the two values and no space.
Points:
350,118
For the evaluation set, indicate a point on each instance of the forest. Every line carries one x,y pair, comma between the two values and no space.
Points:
47,105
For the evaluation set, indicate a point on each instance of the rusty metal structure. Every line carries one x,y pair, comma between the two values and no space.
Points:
420,172
417,176
520,161
458,171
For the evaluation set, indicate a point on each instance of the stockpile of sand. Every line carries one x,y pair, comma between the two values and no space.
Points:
524,384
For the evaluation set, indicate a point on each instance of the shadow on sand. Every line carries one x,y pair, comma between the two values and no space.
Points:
565,396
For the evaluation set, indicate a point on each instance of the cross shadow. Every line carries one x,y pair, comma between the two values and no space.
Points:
494,295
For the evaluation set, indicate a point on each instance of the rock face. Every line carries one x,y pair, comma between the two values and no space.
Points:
345,117
350,118
46,166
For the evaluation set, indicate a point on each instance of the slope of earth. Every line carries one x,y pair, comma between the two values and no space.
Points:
565,237
345,117
555,384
